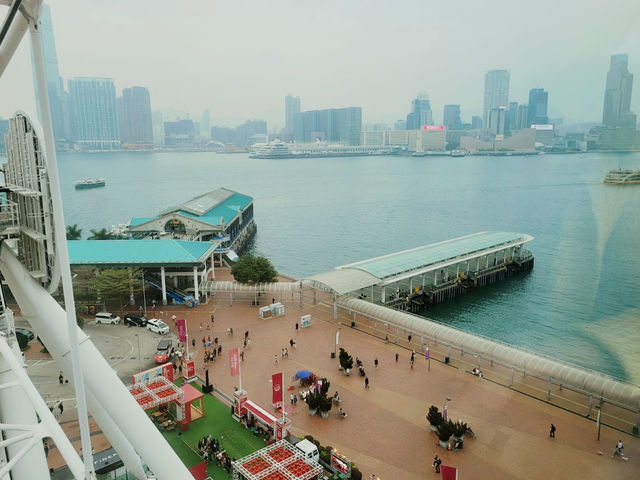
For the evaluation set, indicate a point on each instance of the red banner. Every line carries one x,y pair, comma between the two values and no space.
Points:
449,473
234,362
182,330
191,369
276,378
167,371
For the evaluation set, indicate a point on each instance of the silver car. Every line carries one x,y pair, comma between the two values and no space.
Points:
157,326
106,317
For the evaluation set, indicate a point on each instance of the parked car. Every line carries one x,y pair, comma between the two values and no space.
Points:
162,352
106,317
157,326
135,320
27,333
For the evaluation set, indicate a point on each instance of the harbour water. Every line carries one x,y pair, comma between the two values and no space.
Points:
581,303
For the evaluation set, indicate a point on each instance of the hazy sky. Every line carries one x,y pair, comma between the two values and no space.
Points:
240,58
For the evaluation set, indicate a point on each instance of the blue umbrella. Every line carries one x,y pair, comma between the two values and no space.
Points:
303,374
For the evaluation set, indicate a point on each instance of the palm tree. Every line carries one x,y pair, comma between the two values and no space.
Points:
102,234
73,232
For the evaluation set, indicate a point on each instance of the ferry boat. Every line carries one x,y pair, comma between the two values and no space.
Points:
90,183
618,176
275,149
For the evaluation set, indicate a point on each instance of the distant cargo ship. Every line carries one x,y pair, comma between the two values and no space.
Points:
622,177
90,183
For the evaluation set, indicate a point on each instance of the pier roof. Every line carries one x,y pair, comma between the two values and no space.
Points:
215,208
416,261
141,253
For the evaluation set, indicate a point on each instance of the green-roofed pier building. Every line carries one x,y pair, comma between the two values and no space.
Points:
220,215
428,275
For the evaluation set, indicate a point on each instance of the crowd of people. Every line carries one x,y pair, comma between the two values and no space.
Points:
210,450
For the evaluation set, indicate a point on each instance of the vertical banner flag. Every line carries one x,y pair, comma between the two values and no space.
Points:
191,369
426,354
234,364
182,330
276,379
449,473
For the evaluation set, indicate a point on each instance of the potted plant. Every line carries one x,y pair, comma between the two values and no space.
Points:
459,428
325,406
313,400
444,433
346,361
435,418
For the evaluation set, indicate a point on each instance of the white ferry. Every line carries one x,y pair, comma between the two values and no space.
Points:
275,149
622,177
90,183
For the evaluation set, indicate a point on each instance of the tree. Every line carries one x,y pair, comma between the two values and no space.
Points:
73,232
84,283
250,269
118,283
102,234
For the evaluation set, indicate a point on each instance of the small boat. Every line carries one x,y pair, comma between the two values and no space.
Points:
622,177
90,183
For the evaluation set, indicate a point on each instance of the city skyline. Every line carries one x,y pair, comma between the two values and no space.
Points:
252,65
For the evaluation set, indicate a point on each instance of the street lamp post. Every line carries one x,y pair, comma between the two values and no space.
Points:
444,408
139,361
144,296
598,420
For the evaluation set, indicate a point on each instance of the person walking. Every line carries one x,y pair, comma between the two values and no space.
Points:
61,378
552,431
366,382
397,357
375,362
617,452
436,463
297,327
60,407
275,359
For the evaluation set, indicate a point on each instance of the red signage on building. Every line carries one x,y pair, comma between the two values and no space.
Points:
191,369
433,127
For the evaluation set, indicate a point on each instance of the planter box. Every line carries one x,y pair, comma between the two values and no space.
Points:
444,444
312,411
324,414
433,428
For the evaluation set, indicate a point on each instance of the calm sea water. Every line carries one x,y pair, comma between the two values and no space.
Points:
581,303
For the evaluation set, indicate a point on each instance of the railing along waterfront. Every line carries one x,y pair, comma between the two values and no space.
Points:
569,386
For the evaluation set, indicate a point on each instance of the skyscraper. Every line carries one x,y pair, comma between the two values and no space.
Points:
537,114
511,122
451,117
496,121
134,114
58,99
496,92
94,112
420,112
291,107
337,125
617,94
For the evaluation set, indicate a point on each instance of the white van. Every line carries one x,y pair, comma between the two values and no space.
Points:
308,450
106,317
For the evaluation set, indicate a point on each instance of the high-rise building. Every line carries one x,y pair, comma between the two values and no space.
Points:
451,117
496,121
511,122
205,125
537,114
59,101
420,112
476,122
617,94
134,114
337,125
249,129
95,115
179,132
291,108
400,125
496,92
522,117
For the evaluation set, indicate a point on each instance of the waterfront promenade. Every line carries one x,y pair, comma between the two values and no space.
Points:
386,432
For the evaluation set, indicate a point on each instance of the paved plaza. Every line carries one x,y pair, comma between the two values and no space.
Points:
386,432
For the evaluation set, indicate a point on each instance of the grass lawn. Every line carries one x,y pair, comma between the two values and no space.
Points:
217,422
